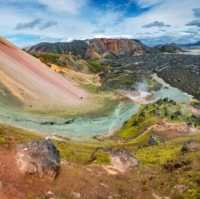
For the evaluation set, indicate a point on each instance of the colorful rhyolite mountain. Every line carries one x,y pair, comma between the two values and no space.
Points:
92,48
33,83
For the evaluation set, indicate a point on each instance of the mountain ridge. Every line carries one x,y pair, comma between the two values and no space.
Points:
91,48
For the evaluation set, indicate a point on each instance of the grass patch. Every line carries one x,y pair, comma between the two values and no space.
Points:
48,58
10,136
95,65
158,154
102,158
75,152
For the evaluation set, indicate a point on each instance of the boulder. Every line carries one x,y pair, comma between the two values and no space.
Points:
181,188
154,140
191,146
122,160
38,158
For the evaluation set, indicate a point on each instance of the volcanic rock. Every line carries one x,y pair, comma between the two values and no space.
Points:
121,160
103,47
38,158
191,146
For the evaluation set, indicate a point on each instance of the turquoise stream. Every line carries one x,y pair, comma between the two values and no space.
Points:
85,127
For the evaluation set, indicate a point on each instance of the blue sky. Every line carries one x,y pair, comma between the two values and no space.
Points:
26,22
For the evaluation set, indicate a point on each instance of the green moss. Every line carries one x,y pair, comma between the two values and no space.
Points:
142,139
47,58
102,158
95,65
158,154
192,193
75,152
10,135
3,140
91,88
135,127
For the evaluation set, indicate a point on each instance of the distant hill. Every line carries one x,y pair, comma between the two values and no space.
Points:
192,45
168,48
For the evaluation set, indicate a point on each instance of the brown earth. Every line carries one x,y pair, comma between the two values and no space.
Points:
74,180
171,130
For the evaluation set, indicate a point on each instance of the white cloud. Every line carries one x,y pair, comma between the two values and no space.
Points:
69,6
75,20
166,12
147,3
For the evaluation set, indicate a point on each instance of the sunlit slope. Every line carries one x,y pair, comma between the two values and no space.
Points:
33,83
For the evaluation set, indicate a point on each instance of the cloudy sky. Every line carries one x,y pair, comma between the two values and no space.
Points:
26,22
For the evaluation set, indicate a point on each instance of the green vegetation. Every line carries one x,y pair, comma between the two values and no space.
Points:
153,113
95,65
68,60
158,154
10,136
102,158
75,152
48,58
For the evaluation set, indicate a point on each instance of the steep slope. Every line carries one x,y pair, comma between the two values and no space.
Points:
33,83
92,48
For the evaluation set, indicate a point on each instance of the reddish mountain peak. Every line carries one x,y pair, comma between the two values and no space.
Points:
102,46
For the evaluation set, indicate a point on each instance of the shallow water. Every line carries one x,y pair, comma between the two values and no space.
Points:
81,127
170,92
86,127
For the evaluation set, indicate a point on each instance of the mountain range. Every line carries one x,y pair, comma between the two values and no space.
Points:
191,45
92,48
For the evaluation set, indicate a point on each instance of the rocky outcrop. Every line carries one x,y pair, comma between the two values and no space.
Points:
103,47
39,158
154,140
120,161
191,146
